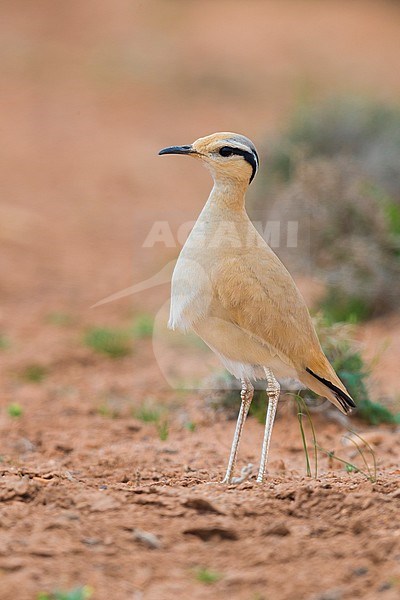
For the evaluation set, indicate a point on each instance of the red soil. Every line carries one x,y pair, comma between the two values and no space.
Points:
93,90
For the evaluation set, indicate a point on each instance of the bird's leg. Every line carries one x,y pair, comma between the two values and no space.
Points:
246,396
273,391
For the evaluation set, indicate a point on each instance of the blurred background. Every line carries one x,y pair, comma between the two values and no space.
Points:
90,92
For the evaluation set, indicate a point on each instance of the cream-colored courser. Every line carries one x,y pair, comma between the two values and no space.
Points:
234,292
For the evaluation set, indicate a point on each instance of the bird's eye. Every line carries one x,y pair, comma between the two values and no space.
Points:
226,151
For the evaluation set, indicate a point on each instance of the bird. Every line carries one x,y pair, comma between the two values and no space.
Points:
232,290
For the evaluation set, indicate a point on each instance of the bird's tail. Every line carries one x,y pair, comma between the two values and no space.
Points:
322,379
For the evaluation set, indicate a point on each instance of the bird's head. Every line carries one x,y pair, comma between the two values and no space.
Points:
229,156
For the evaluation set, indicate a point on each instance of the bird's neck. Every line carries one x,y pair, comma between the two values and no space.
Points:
228,194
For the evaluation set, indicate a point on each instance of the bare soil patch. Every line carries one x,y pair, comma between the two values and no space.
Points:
89,493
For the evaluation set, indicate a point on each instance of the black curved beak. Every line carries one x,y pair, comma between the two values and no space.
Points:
177,150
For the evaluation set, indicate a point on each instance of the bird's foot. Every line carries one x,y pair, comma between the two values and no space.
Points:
244,474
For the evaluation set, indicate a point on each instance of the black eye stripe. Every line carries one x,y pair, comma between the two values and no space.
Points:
227,151
250,157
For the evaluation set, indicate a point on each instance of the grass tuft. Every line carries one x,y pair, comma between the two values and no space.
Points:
79,593
302,410
151,412
190,426
369,473
34,373
4,342
143,325
105,410
207,576
14,410
148,412
115,343
163,430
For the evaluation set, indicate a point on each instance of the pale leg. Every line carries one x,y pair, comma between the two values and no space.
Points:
273,390
246,396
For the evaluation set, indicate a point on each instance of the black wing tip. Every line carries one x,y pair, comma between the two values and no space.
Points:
345,401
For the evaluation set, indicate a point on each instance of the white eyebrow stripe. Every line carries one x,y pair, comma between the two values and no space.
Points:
236,144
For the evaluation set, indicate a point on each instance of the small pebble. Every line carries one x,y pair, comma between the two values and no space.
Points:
384,586
148,539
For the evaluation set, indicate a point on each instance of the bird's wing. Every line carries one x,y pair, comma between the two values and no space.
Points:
260,296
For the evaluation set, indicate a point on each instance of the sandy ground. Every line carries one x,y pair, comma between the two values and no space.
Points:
92,91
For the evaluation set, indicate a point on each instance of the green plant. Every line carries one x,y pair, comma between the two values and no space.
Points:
163,430
375,413
79,593
105,410
4,342
149,412
302,410
190,426
392,213
34,373
338,307
115,343
14,410
207,576
368,473
258,407
366,131
143,326
335,171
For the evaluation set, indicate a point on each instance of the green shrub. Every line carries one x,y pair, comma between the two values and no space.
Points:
336,172
340,308
365,131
